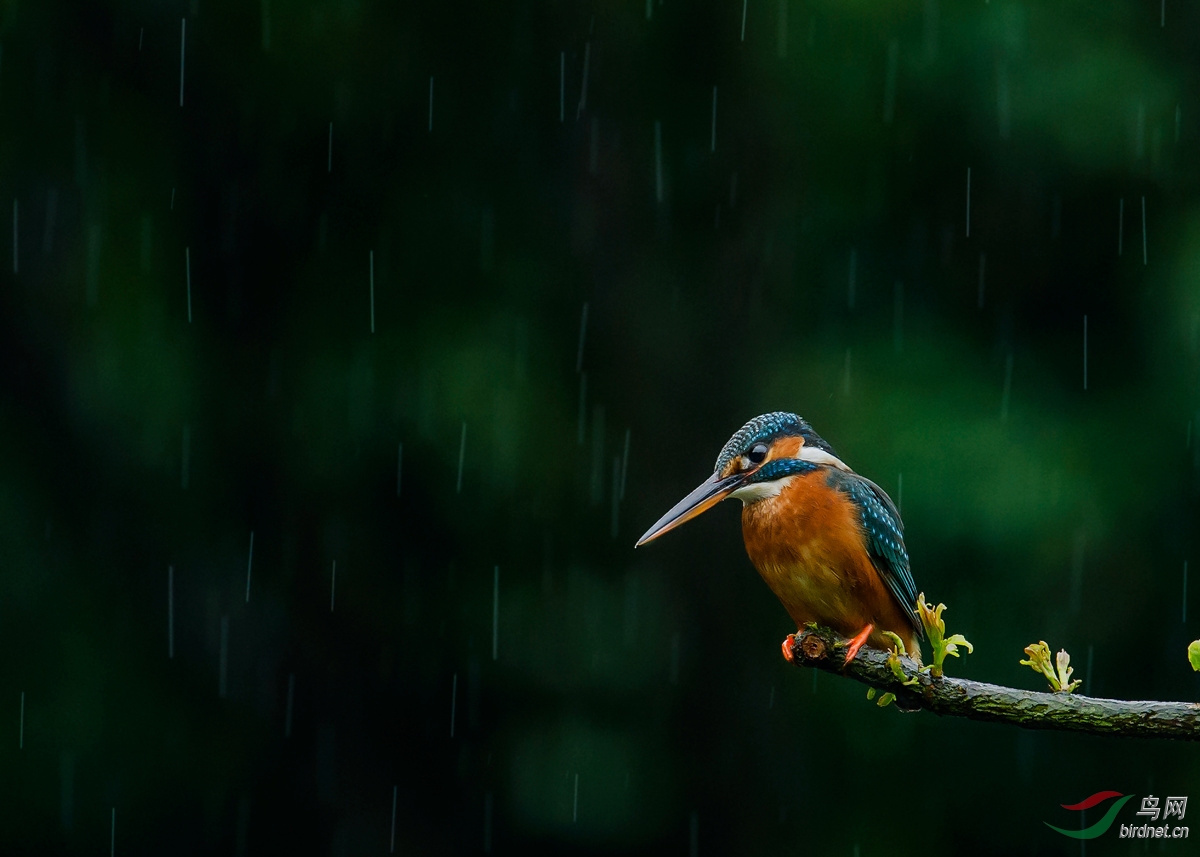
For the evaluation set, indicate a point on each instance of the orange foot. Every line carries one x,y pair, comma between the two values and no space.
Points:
857,642
788,642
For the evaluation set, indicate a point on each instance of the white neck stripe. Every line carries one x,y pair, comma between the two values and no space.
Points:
816,455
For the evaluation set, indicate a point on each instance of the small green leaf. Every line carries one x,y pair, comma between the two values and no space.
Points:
1064,672
1057,674
886,700
952,644
1194,654
935,630
895,638
870,693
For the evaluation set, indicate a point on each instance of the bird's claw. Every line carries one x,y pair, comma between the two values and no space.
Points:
857,643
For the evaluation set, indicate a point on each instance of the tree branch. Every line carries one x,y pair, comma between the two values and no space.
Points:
822,649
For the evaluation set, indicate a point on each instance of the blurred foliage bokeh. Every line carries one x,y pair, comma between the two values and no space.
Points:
349,345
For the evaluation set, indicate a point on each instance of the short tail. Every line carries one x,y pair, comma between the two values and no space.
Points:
914,648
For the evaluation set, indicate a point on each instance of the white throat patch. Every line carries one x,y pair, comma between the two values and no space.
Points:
756,491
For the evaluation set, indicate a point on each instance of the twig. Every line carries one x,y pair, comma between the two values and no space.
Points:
822,649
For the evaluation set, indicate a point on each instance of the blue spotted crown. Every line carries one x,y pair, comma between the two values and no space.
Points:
766,428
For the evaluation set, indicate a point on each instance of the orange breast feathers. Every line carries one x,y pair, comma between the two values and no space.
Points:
807,543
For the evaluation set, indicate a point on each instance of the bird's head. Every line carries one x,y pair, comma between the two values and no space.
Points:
755,464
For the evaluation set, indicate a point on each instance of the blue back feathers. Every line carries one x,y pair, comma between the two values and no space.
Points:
884,532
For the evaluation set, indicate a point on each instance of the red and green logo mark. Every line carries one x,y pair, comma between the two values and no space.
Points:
1101,826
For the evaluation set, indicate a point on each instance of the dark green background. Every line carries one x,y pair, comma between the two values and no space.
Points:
844,135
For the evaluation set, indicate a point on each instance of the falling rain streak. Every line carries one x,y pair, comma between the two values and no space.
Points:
1075,593
223,670
713,149
1121,227
291,696
462,453
495,611
112,836
14,235
852,282
399,464
266,25
431,104
587,59
48,227
1004,398
582,337
1144,260
392,846
170,612
625,463
92,279
187,265
1185,590
21,728
575,802
1003,103
371,257
453,702
658,165
332,585
187,452
329,161
745,3
582,407
594,146
968,202
616,493
1085,352
898,316
249,565
182,47
562,86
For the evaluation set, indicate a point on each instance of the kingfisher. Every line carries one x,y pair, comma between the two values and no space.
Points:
828,542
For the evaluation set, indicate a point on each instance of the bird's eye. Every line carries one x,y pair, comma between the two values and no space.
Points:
758,454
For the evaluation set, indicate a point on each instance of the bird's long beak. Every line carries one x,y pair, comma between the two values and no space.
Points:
708,493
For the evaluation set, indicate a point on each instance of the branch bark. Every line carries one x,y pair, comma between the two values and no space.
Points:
822,649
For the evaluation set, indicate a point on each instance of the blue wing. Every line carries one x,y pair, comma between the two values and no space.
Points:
885,538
